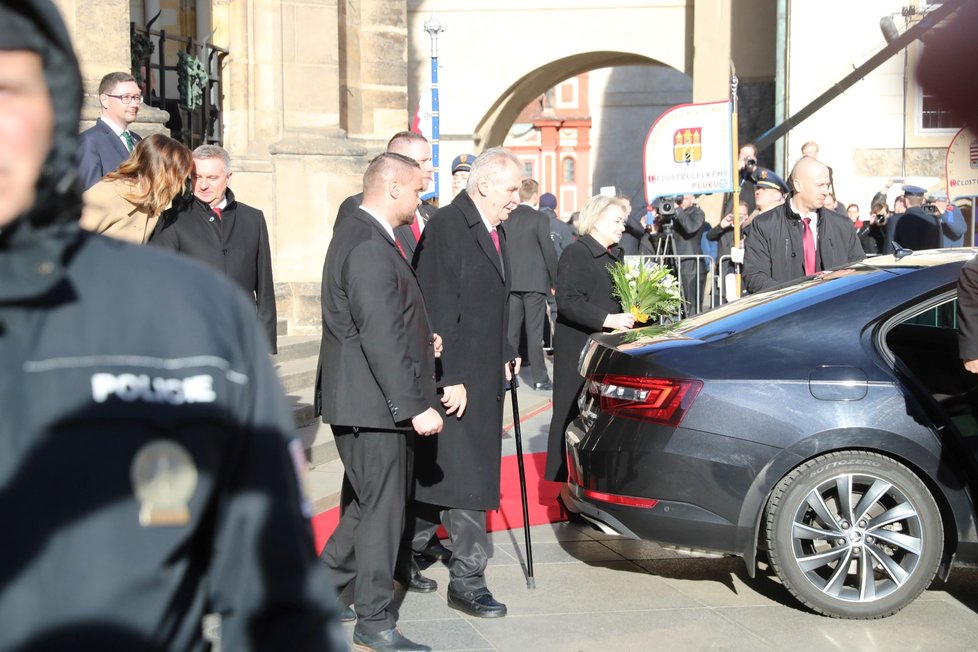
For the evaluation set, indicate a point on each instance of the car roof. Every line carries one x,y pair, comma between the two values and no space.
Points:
887,279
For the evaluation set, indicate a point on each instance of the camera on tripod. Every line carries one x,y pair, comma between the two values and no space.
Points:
667,209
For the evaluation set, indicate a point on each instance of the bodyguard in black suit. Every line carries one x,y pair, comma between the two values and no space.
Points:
463,267
377,390
221,232
104,147
414,146
534,273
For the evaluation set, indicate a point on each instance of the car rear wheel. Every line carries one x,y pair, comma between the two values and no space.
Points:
854,534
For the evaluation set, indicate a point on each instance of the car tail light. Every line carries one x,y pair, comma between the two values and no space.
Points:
629,501
659,400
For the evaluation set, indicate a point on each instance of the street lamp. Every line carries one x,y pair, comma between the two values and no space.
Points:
434,27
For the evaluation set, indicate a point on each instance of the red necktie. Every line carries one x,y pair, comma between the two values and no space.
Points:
495,240
401,249
808,245
217,211
416,228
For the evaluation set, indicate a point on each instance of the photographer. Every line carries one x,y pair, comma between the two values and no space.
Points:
747,163
953,226
872,233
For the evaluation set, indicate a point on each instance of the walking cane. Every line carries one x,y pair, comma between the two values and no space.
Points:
530,582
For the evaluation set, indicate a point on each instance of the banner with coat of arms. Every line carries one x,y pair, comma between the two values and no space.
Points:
962,165
689,149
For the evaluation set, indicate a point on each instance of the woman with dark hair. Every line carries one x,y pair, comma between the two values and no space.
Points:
127,203
585,305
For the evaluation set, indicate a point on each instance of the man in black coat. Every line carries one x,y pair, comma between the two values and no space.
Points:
414,146
463,267
221,232
534,274
103,147
687,228
149,460
779,249
916,228
377,389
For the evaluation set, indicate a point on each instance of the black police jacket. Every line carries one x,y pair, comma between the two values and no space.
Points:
146,471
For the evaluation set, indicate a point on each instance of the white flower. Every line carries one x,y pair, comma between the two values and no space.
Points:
668,281
631,284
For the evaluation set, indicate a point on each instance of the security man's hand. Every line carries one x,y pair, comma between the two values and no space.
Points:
427,423
454,399
971,365
438,345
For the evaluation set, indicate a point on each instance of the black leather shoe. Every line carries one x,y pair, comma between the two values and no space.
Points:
543,387
388,641
412,580
347,614
436,552
479,603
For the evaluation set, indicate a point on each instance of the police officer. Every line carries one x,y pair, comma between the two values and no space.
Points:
147,475
915,229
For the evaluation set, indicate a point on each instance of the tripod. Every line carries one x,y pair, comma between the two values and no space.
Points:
666,244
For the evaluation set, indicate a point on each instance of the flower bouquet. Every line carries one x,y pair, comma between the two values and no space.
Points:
647,291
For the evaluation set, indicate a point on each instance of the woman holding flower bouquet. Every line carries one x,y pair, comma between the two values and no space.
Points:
585,304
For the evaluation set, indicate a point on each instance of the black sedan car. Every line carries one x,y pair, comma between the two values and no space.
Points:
828,423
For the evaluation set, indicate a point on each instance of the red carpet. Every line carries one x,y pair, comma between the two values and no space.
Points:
541,498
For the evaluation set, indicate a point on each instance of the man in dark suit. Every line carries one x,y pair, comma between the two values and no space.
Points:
104,146
534,274
377,390
221,232
463,267
414,146
687,228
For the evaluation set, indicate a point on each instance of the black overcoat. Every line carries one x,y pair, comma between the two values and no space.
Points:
465,287
236,245
584,300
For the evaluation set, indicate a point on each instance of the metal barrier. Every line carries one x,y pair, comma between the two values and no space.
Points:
691,273
162,64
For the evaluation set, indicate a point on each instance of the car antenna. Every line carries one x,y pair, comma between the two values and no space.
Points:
899,252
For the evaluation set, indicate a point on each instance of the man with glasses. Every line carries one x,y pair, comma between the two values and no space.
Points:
108,143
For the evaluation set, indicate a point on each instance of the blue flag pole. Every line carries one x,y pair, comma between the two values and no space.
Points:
434,27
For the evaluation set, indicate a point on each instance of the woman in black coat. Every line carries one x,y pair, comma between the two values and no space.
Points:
584,305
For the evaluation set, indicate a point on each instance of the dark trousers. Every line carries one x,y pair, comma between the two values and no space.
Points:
471,547
531,308
363,548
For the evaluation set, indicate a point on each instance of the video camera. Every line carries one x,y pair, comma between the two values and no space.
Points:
667,208
931,208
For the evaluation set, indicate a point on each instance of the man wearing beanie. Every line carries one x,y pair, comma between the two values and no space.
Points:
146,472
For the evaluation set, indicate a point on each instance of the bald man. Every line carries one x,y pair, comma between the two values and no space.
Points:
800,237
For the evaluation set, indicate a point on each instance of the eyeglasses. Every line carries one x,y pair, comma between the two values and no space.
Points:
126,99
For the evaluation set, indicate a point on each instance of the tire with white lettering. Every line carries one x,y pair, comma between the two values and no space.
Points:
854,534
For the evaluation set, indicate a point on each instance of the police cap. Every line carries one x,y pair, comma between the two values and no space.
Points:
765,178
462,163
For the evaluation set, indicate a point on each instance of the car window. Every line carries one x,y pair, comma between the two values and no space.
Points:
925,340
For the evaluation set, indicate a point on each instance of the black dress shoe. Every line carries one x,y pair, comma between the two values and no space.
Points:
544,386
390,640
478,603
412,580
347,614
436,552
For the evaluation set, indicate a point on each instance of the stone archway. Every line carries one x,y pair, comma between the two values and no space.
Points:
491,129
